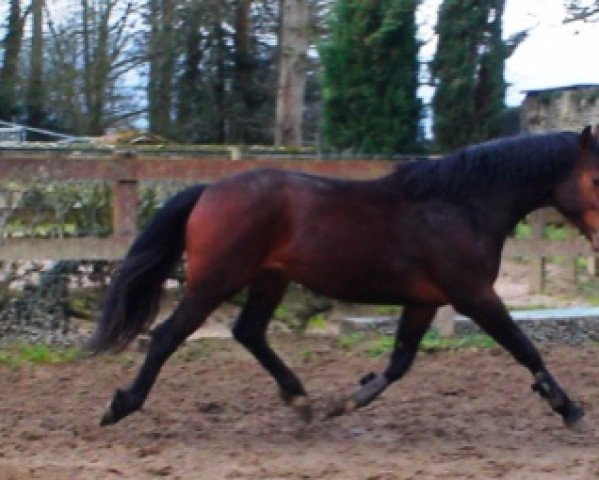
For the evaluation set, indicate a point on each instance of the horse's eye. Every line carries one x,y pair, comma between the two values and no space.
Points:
596,182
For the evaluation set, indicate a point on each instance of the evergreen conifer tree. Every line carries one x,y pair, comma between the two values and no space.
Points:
370,77
468,72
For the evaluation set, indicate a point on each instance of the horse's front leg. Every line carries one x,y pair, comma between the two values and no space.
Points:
489,312
165,339
413,324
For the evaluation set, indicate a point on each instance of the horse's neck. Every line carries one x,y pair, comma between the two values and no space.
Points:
502,212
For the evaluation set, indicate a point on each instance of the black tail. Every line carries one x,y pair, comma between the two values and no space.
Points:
133,297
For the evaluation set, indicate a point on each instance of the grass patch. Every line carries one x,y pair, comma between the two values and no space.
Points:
531,306
388,310
47,229
557,232
593,301
349,340
307,354
553,232
589,289
381,345
121,358
432,342
204,348
523,231
21,354
318,322
282,312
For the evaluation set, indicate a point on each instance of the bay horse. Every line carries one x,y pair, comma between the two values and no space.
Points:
428,234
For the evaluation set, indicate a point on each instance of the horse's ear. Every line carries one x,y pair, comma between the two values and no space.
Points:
586,139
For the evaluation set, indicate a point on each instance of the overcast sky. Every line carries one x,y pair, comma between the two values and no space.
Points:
553,55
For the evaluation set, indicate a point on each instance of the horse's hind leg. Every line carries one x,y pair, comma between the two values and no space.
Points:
414,323
488,311
165,338
264,294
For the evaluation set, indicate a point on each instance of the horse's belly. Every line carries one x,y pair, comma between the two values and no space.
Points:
353,258
387,287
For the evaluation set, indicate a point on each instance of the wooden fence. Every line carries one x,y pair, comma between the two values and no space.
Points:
125,169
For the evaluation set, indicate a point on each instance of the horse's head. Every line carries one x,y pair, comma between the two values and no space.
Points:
577,196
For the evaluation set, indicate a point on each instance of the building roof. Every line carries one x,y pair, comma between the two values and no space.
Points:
581,86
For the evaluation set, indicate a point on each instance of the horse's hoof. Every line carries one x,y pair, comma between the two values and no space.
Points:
119,407
301,405
108,418
339,406
580,424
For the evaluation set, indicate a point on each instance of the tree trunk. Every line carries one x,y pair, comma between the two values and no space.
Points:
244,67
100,69
35,88
9,72
191,75
293,47
87,55
162,64
219,85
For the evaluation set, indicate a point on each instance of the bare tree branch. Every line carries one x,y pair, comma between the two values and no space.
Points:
585,11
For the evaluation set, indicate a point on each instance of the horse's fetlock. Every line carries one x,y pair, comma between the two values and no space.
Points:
546,387
542,388
370,390
367,378
558,400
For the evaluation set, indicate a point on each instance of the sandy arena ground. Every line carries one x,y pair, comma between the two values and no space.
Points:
214,414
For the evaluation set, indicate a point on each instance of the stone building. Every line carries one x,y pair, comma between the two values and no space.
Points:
561,108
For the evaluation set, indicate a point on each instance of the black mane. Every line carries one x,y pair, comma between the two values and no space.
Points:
505,163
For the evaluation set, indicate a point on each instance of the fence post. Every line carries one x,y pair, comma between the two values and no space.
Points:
536,275
570,273
445,321
124,208
592,269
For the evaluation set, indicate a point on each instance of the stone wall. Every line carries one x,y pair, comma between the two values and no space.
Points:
41,314
570,326
565,108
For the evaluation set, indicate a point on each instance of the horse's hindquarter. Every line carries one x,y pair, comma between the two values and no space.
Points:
233,228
